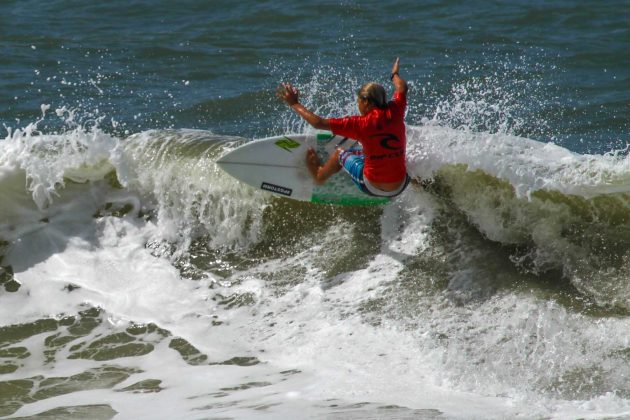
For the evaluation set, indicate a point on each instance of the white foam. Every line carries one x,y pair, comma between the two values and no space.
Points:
189,191
78,155
527,164
350,343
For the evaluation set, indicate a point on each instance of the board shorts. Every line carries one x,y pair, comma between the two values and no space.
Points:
352,161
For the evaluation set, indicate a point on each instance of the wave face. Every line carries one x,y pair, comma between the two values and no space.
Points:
557,209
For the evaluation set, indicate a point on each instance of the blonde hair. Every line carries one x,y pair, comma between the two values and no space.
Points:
374,93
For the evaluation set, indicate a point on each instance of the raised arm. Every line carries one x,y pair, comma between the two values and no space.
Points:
399,83
290,95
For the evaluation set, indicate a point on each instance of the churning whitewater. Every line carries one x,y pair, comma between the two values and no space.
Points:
143,276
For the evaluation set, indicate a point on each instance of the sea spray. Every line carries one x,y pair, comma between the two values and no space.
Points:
48,160
191,197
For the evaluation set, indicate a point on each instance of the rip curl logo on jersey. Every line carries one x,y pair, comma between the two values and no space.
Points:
287,144
387,140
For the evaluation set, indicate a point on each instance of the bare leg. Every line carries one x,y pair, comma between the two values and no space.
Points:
320,172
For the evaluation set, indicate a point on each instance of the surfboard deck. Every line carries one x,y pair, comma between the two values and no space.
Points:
278,165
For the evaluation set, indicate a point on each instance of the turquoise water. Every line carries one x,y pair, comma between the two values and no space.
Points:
137,280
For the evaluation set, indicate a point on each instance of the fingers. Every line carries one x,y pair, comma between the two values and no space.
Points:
287,92
284,89
289,88
396,65
281,90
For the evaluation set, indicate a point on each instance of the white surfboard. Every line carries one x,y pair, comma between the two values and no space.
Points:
278,165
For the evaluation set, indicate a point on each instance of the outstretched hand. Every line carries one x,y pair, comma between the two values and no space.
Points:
288,93
399,83
291,96
396,66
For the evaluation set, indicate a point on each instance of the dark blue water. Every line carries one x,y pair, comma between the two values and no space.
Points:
563,69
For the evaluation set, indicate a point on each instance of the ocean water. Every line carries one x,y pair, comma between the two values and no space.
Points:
137,280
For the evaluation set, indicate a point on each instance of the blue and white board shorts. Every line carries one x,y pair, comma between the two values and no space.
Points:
352,161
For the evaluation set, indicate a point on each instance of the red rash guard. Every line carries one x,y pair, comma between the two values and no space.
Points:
381,132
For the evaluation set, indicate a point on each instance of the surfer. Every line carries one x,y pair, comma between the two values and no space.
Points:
378,168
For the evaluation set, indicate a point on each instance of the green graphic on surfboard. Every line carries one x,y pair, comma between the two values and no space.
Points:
287,144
